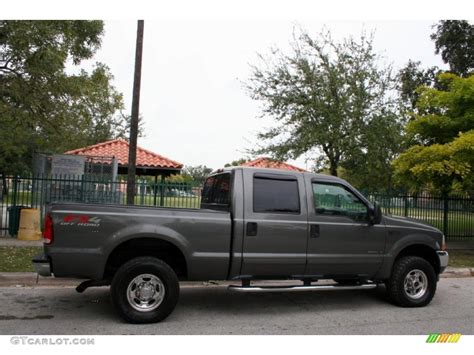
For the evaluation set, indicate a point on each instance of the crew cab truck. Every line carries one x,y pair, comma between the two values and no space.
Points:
253,224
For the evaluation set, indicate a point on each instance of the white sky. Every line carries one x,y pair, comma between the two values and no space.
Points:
194,107
196,53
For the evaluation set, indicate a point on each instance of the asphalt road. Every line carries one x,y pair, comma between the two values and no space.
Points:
215,310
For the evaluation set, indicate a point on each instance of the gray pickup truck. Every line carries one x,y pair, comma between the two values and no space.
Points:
253,224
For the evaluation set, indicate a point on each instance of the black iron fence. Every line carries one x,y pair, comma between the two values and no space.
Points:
17,193
453,215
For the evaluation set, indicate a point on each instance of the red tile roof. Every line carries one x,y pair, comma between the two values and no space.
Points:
118,148
273,164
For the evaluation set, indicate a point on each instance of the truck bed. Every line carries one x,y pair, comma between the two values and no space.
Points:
86,234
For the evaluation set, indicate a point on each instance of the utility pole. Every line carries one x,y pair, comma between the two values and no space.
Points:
132,152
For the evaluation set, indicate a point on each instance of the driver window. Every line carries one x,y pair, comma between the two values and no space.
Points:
336,200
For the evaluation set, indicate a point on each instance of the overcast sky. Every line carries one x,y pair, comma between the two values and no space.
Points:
192,101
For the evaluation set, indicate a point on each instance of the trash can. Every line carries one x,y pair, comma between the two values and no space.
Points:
14,219
29,227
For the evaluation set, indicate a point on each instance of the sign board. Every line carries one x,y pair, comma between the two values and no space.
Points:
64,164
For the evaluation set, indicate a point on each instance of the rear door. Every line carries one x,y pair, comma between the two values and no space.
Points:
275,224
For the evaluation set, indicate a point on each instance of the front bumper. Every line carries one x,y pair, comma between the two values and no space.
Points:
443,260
42,265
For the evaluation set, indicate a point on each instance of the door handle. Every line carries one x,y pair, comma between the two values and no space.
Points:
314,231
252,229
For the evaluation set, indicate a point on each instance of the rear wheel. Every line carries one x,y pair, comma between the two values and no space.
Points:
412,283
145,290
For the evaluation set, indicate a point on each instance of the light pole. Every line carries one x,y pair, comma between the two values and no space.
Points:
132,152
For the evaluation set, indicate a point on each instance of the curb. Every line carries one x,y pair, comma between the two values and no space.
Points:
452,272
31,279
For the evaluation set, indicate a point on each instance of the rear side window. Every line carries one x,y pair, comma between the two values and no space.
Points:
216,192
273,195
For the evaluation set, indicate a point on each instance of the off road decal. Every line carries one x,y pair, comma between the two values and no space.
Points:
80,221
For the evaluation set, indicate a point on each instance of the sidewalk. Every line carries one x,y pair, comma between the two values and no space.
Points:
13,242
460,245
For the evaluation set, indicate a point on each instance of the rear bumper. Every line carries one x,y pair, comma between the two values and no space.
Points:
443,260
42,265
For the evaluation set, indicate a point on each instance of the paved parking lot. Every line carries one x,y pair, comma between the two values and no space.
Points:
215,310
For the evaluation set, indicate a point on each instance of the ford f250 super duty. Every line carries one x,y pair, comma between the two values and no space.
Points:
253,224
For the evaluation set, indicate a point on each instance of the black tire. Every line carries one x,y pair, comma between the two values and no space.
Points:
162,278
416,267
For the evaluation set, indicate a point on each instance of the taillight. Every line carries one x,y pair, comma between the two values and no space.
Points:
48,233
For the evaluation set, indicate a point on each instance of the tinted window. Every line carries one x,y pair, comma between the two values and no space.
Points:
335,200
216,190
271,195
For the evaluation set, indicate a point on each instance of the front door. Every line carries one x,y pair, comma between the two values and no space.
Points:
275,225
341,240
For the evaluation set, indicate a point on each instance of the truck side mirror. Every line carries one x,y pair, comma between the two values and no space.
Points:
376,214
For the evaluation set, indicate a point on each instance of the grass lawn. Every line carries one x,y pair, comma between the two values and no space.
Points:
16,259
461,258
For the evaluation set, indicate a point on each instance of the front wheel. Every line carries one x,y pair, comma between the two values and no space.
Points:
412,283
144,290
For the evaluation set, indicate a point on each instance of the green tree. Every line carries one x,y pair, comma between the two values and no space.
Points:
236,162
454,39
42,106
443,158
331,100
197,173
411,77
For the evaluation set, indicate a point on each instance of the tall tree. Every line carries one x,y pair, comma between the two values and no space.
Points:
327,98
454,39
443,158
411,77
198,173
42,106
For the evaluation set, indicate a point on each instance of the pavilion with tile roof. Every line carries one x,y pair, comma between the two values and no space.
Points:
148,163
272,164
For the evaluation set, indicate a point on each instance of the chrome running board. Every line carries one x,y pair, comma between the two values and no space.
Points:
295,288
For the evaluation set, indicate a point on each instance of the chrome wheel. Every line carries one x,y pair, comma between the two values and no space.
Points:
416,284
145,292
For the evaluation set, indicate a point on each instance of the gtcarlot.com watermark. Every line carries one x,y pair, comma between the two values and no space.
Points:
41,340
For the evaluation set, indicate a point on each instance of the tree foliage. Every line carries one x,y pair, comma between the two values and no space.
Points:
410,78
443,159
42,106
237,162
197,173
330,100
454,40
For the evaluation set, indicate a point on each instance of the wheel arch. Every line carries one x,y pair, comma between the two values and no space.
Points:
423,251
146,245
421,245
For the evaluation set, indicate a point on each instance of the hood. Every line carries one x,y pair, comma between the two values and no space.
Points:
409,222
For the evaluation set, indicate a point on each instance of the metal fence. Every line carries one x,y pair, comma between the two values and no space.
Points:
453,215
37,192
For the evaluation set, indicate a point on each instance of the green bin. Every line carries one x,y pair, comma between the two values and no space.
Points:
14,219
